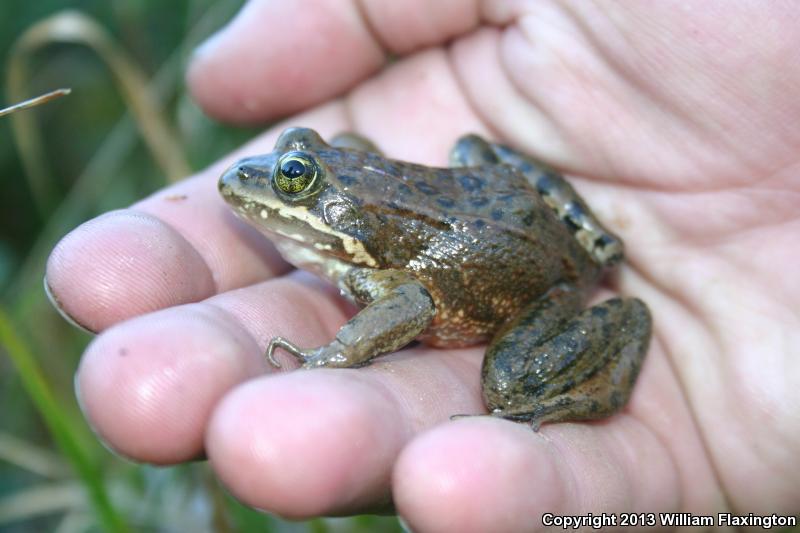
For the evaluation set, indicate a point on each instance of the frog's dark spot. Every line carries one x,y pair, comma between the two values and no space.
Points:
479,223
603,240
505,197
479,201
347,180
575,210
574,215
394,170
545,184
444,201
426,187
403,189
373,160
599,311
527,218
443,174
488,156
526,166
392,205
471,183
497,214
571,223
502,150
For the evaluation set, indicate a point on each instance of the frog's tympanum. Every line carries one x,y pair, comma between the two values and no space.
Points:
495,248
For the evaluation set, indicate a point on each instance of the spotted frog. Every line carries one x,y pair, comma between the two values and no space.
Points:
497,248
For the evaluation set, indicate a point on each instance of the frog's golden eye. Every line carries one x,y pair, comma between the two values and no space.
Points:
295,173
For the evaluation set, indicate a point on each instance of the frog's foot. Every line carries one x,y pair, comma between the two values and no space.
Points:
330,355
460,416
545,368
280,342
541,414
535,423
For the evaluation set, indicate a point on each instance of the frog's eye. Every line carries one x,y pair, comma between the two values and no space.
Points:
295,172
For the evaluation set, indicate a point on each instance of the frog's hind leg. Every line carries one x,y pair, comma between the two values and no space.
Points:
545,368
354,141
603,245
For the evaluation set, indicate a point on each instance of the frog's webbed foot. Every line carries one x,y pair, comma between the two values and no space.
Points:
550,366
398,309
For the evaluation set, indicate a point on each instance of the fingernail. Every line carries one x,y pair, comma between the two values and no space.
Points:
54,301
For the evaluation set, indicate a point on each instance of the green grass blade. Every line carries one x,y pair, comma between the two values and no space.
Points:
57,422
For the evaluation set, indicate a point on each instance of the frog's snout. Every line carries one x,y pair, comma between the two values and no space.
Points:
226,181
237,177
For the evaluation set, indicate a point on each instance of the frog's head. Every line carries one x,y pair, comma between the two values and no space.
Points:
295,193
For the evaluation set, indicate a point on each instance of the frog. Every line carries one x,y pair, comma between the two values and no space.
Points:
497,248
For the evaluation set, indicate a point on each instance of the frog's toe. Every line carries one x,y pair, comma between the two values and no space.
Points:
280,342
463,415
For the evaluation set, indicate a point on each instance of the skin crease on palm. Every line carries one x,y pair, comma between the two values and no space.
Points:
680,124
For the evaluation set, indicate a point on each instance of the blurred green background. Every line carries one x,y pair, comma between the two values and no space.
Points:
72,159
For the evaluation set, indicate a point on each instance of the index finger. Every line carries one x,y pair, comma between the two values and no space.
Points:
180,245
277,57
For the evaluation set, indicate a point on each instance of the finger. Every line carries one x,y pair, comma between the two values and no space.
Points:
147,385
180,245
415,109
277,57
323,442
504,477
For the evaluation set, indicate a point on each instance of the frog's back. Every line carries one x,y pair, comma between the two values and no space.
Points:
480,239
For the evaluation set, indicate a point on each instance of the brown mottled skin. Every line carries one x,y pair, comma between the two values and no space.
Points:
496,248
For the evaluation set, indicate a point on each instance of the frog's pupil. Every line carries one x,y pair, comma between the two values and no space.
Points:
293,168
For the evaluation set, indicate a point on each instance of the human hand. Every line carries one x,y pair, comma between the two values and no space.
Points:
681,127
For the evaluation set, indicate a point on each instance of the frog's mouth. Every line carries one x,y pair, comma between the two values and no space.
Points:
300,226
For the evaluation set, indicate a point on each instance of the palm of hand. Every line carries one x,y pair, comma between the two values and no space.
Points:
684,139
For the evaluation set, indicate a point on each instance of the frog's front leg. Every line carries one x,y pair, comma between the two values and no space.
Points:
554,364
398,308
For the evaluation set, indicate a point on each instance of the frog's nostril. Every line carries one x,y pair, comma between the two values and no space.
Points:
245,173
